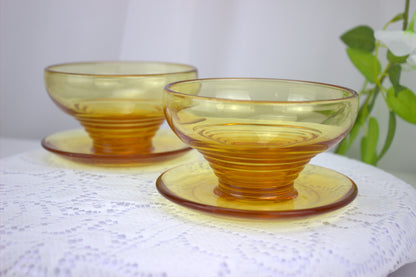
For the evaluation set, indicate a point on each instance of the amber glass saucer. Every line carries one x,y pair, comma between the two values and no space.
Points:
319,190
76,145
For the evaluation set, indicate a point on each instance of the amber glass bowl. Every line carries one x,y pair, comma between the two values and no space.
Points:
258,134
119,103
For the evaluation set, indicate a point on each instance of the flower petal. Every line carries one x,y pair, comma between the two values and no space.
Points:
400,43
411,61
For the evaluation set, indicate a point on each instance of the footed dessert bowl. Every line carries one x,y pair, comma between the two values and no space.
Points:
258,137
119,105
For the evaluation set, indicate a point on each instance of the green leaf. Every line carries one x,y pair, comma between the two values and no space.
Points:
363,115
343,146
361,37
396,59
366,63
411,27
369,143
349,139
394,76
404,104
390,134
398,17
373,98
355,129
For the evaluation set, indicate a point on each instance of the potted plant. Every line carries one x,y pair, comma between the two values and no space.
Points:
364,49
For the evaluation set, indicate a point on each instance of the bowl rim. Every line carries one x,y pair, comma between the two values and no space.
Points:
353,95
54,68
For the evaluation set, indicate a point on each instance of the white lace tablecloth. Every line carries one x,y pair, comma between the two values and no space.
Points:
58,218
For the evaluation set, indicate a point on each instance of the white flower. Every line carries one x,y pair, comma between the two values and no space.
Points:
411,62
400,43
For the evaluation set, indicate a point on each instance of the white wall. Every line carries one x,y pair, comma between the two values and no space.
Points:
34,34
250,38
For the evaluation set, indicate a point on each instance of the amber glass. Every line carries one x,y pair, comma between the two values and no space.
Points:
76,145
119,104
259,134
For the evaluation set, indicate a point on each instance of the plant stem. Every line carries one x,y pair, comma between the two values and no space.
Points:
406,15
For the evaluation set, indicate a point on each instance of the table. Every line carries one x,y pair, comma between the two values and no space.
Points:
58,218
